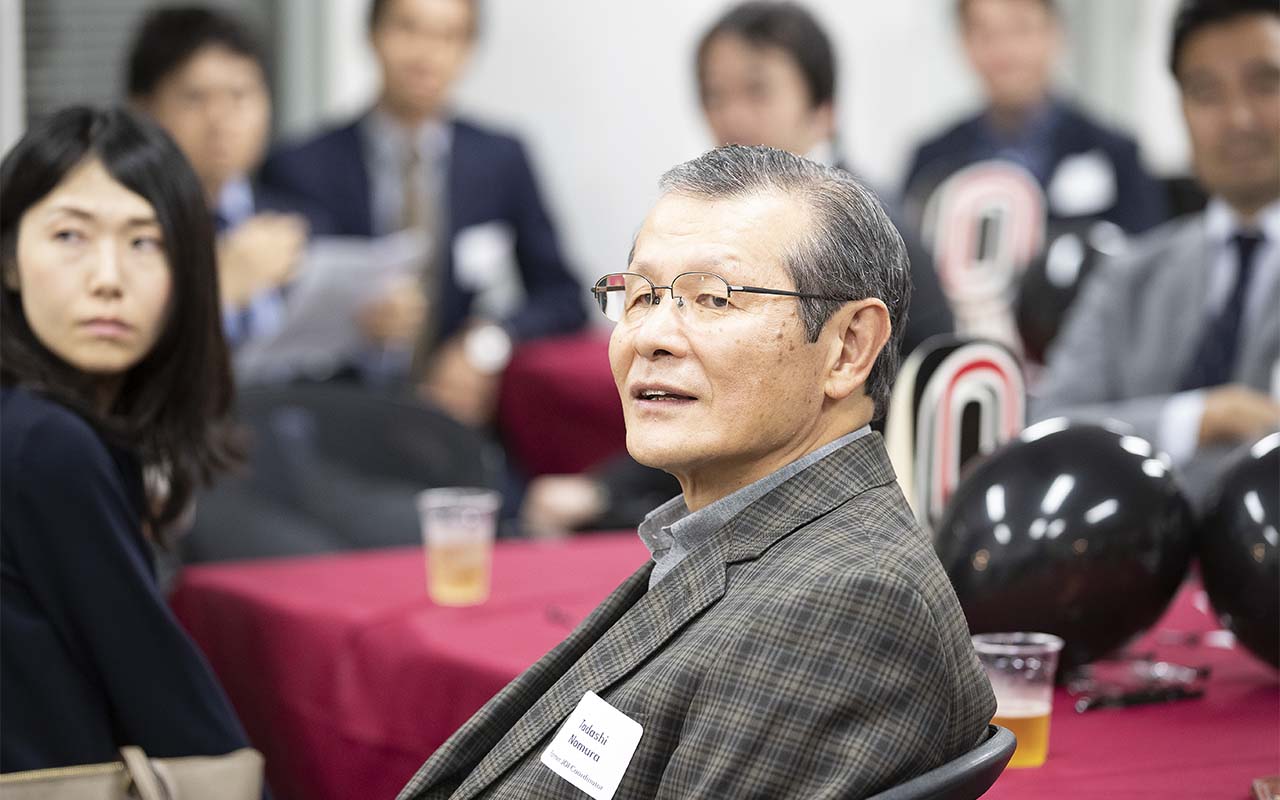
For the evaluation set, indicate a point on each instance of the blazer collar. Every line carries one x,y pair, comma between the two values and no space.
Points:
809,494
625,637
1189,251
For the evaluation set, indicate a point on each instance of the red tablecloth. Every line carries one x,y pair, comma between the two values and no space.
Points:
559,409
347,677
1212,747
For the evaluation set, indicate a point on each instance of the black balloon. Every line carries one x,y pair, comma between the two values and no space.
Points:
1075,530
1054,278
1239,546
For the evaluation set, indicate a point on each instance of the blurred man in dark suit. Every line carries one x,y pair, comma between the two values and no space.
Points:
200,74
1087,170
794,635
767,75
1180,337
496,275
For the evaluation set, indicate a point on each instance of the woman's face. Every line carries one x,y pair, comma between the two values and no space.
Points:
92,272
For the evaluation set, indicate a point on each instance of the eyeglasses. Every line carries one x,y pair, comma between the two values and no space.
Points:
627,296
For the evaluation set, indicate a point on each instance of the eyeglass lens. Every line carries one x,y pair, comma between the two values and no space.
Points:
627,296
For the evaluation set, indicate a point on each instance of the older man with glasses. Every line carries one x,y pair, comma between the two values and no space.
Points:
794,634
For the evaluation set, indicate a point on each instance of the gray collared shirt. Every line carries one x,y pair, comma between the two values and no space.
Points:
386,146
671,532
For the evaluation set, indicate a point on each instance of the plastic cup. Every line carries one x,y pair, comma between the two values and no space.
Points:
458,526
1021,667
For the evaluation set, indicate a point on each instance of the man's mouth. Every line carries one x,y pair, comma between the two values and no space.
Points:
1243,148
652,394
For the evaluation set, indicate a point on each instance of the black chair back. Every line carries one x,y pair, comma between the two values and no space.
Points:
963,778
334,467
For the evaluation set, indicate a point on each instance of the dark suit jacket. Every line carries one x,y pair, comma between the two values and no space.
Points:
1139,202
91,659
813,648
269,198
489,179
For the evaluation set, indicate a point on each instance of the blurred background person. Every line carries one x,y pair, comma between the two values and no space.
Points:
201,74
409,162
1086,169
1180,337
112,369
766,74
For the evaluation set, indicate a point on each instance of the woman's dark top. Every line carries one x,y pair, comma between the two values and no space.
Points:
91,658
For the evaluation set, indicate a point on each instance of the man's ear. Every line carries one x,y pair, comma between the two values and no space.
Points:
862,329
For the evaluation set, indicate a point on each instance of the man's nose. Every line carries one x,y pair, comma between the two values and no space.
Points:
662,329
1241,114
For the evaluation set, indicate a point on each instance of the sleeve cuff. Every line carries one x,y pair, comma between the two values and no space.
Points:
1179,426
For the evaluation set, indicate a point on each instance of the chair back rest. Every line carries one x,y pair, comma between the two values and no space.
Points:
963,778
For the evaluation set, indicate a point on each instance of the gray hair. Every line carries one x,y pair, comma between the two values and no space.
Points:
851,250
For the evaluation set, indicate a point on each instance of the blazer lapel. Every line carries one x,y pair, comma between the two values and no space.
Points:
1171,346
350,180
1258,354
691,588
466,750
641,631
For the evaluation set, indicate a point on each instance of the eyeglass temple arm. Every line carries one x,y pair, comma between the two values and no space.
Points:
762,290
732,288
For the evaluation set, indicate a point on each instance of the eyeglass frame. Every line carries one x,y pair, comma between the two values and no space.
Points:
599,289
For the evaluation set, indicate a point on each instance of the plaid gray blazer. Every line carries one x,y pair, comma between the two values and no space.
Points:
814,648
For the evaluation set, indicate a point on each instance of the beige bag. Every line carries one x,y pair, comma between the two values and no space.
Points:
234,776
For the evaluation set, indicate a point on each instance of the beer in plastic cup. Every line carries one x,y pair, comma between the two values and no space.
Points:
458,526
1021,668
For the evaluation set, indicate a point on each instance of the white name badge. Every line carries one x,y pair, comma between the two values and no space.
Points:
593,747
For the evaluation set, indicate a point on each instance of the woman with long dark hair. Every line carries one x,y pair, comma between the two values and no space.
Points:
115,394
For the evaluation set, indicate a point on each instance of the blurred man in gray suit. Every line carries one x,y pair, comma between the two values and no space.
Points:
1180,338
794,634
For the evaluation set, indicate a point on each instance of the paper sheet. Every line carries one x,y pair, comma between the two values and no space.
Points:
338,276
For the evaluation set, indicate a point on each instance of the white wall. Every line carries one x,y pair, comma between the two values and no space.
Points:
602,90
12,97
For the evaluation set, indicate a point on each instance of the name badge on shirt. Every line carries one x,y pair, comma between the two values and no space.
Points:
1083,184
594,747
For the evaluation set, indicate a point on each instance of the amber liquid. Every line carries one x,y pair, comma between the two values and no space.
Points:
1030,723
458,574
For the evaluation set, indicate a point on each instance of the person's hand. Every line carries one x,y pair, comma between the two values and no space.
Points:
396,317
1237,413
259,254
554,505
458,388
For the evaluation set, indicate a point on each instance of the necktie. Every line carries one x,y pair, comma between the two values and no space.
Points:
1216,357
421,210
413,211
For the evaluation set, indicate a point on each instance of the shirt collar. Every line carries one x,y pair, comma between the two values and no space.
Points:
235,201
388,139
1221,222
672,524
1037,125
